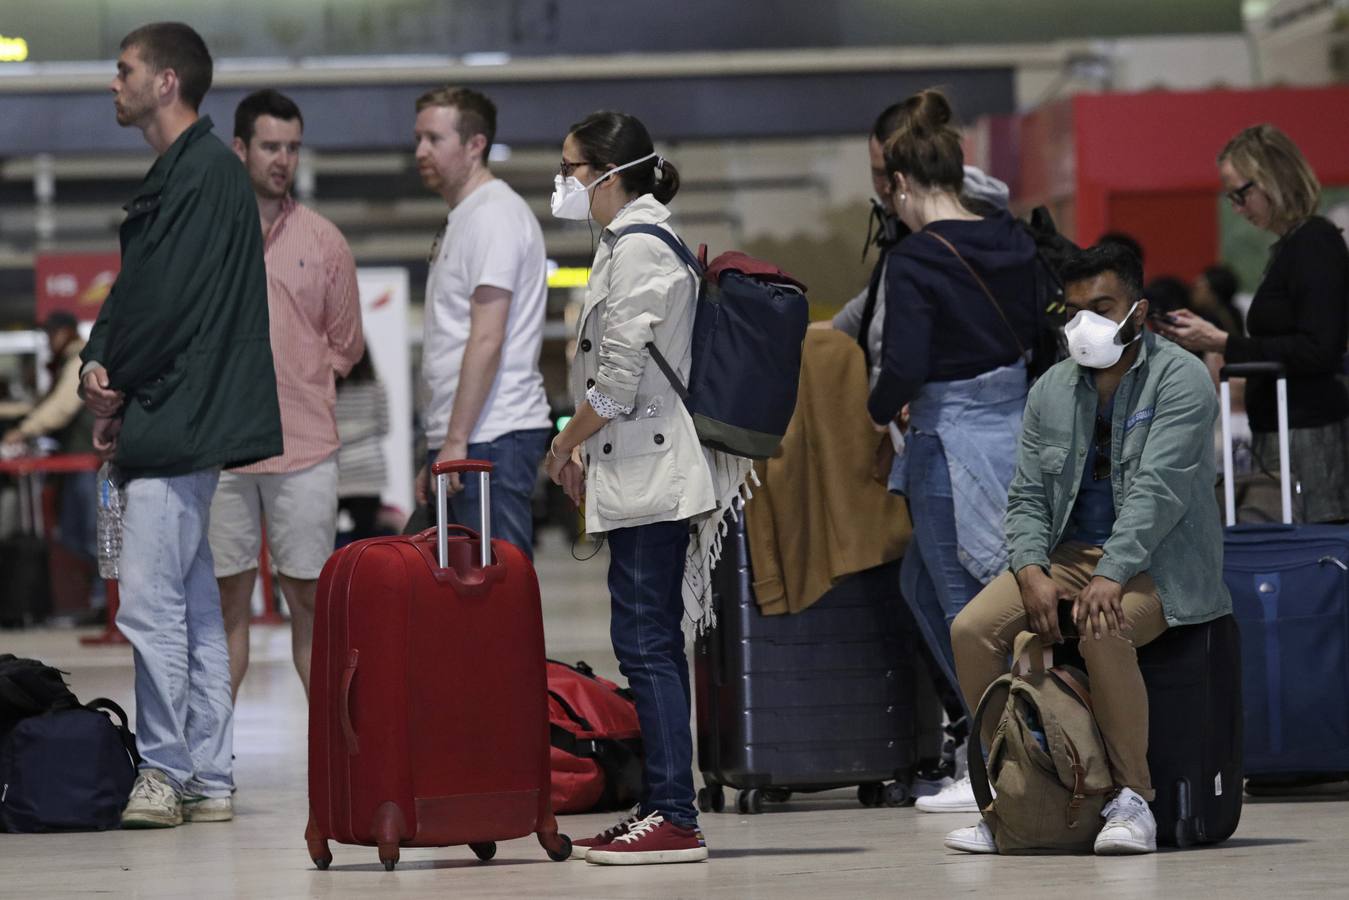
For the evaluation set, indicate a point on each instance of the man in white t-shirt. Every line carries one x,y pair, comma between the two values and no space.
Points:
486,296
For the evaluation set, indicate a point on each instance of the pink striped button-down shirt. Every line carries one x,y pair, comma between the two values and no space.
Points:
315,313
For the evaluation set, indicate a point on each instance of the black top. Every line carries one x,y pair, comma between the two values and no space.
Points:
939,324
1299,317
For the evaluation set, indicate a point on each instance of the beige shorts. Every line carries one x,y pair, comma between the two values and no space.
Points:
299,509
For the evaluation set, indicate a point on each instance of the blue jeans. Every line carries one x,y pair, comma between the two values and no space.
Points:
933,580
516,457
646,575
170,613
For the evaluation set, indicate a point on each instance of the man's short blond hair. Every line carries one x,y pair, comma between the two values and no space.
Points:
477,113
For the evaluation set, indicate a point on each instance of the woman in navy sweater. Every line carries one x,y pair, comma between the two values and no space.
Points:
960,315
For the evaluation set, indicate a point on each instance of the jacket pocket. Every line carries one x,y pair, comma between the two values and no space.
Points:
635,472
1053,460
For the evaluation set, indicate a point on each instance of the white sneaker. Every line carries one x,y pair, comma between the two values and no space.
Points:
1129,826
974,839
958,797
923,787
197,808
154,803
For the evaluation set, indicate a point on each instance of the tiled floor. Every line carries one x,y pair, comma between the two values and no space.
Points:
824,846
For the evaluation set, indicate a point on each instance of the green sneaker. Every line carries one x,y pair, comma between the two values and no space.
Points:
154,802
197,808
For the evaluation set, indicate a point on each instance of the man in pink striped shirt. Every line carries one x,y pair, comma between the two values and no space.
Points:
315,317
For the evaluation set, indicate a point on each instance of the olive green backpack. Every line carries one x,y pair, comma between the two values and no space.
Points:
1046,760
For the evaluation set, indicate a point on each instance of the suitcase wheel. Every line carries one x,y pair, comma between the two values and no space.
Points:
896,793
561,852
871,794
750,802
711,799
389,864
322,862
485,850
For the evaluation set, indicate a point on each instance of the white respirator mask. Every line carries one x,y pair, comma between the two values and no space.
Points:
1093,340
571,199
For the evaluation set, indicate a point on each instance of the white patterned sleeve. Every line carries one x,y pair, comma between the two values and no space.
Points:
606,406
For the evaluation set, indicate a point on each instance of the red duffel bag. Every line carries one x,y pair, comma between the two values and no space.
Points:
596,741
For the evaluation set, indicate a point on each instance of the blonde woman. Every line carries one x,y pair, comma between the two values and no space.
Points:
1298,317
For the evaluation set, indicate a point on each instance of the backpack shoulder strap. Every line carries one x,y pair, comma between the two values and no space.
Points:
992,703
670,240
689,259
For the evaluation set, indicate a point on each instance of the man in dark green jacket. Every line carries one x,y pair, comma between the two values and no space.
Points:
178,371
1111,510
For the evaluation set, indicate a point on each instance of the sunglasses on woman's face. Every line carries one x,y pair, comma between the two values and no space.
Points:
1238,196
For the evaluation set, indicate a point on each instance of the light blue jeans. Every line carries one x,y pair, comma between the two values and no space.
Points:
170,613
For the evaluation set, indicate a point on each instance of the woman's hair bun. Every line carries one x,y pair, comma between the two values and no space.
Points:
930,110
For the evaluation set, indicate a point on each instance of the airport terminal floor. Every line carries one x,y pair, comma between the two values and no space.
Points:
820,846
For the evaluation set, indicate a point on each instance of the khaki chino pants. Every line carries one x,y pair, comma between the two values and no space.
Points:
984,632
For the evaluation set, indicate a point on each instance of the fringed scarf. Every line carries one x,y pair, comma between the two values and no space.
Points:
731,478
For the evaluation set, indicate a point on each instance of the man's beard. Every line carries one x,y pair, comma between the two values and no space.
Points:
265,190
133,110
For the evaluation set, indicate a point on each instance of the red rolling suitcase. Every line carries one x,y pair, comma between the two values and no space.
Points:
428,716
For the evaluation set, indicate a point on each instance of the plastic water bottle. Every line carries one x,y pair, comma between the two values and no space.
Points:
111,506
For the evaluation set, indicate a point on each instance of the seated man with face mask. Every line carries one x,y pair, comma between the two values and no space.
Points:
1111,509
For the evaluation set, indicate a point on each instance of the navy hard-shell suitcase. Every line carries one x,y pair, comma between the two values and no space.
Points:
1290,595
822,699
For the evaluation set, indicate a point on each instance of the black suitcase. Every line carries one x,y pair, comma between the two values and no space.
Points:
1193,678
25,599
814,701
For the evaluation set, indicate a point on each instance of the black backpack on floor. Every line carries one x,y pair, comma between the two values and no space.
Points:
30,688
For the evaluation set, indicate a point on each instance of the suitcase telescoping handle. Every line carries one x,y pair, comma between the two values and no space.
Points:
1244,370
441,471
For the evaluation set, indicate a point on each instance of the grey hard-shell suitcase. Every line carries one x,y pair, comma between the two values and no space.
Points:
822,699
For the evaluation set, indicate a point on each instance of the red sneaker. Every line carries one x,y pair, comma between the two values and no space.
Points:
651,841
580,848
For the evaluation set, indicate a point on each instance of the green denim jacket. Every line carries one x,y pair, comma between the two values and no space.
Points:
1162,476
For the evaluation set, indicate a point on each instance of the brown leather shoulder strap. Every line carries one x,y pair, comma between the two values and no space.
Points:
1066,678
987,293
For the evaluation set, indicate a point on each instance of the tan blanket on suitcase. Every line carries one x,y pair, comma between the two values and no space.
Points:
819,515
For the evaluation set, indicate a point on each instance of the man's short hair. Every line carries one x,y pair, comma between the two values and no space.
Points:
477,114
265,102
1107,256
173,45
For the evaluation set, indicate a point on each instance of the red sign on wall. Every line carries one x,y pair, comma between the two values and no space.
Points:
76,283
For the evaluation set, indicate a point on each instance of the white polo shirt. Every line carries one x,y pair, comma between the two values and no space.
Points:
492,238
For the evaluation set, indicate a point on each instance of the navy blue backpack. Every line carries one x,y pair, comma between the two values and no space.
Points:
747,334
63,766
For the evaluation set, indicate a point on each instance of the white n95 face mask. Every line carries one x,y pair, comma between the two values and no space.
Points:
571,199
1093,340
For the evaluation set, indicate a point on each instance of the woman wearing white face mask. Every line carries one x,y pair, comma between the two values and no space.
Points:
632,455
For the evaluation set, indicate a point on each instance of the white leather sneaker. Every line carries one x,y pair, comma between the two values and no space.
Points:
958,797
974,839
1129,826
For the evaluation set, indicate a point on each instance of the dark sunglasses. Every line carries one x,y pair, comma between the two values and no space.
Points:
1101,468
1238,196
566,168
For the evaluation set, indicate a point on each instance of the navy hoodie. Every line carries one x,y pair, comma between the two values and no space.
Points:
939,323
